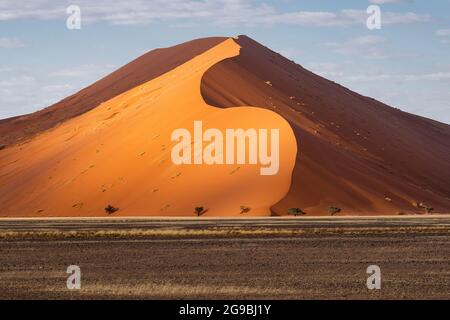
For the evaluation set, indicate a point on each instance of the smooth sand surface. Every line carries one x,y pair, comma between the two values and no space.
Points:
120,154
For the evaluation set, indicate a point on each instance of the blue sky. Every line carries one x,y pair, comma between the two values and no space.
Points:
405,64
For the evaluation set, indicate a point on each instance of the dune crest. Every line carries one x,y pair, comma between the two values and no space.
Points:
356,153
119,154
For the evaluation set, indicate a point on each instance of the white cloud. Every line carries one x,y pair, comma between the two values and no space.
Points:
436,76
443,33
11,43
291,53
388,1
388,18
220,12
364,46
87,70
404,18
23,90
326,69
57,88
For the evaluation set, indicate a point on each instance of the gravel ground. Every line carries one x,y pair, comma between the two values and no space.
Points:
414,265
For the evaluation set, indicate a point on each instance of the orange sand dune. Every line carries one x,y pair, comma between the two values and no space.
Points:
110,143
119,154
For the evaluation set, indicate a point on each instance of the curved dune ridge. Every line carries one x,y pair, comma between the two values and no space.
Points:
119,153
356,153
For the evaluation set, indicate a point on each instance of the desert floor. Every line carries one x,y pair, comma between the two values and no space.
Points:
231,259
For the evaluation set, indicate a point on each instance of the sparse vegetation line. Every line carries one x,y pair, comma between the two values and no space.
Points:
217,232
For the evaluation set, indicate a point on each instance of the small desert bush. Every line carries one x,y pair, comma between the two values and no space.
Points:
199,210
295,212
424,207
110,209
245,209
334,210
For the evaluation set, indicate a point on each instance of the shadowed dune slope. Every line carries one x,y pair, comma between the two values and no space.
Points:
354,152
143,69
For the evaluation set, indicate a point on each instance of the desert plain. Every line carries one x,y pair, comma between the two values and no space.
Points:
271,258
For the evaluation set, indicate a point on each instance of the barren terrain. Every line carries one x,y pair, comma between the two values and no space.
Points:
229,259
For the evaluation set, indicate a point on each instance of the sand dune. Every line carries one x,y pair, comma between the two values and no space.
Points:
355,153
110,143
119,154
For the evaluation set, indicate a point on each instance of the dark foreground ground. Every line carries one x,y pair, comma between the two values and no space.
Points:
329,261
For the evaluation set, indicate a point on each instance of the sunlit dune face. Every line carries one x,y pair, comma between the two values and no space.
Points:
119,154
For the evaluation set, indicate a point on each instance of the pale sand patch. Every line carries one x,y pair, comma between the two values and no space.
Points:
170,290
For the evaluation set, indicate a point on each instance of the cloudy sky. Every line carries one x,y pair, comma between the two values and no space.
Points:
406,63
